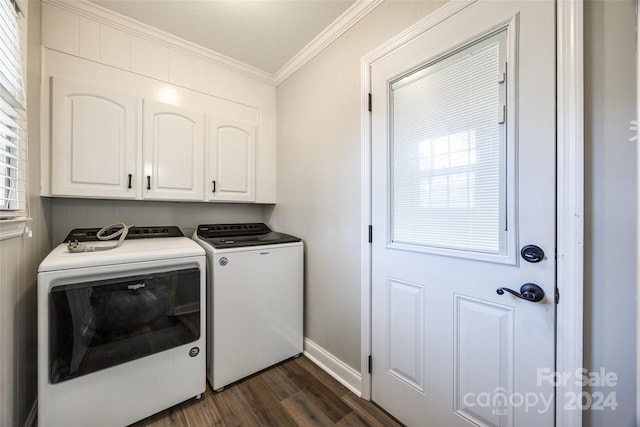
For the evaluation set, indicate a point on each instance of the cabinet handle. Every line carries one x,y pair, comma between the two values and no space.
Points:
129,186
148,182
214,186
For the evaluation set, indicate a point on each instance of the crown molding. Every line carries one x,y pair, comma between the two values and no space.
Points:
131,26
338,27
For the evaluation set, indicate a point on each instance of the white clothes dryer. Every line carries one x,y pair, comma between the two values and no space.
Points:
121,332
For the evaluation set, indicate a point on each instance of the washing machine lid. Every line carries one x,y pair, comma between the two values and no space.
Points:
132,250
221,236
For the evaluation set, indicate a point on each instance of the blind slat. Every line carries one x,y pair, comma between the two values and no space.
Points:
9,160
447,171
13,144
7,133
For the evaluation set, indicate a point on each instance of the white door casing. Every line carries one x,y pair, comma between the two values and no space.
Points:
570,193
439,339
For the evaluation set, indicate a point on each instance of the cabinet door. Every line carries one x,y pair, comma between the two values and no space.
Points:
231,160
93,142
173,143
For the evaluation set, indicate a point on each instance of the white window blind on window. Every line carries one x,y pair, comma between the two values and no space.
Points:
448,153
13,142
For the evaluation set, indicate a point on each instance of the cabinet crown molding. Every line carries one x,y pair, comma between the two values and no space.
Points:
344,22
136,28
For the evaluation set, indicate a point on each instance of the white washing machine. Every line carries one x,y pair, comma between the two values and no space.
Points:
121,332
254,299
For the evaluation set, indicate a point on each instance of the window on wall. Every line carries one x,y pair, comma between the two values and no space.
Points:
448,151
13,118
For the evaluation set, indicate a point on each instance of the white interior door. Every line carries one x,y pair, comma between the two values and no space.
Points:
463,178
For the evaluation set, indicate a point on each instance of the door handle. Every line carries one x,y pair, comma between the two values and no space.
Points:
129,186
528,291
148,182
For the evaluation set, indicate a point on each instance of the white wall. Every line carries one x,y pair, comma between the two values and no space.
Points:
318,181
84,42
610,208
87,43
19,259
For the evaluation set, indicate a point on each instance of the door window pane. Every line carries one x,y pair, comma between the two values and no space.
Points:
448,150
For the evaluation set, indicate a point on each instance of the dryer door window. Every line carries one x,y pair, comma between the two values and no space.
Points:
99,324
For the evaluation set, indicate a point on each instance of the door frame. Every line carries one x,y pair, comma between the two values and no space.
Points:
569,192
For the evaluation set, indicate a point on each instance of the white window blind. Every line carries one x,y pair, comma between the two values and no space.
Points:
448,152
13,141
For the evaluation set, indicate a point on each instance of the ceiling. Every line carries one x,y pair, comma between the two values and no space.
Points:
265,34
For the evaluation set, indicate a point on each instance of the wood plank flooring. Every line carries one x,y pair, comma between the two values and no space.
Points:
293,393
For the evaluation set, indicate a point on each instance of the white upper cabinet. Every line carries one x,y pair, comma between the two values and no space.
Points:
106,144
172,148
93,141
231,160
174,117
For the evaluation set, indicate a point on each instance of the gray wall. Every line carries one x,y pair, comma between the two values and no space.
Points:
318,183
79,213
319,187
610,208
19,259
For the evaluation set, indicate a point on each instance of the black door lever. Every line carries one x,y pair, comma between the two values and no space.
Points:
528,291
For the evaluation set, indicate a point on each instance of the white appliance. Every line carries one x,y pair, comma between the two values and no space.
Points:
254,299
121,332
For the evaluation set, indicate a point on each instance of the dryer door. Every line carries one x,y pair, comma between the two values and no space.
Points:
98,324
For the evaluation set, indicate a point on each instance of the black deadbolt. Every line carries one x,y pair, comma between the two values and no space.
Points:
532,253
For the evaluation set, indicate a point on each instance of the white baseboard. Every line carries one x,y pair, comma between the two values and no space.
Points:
343,373
33,415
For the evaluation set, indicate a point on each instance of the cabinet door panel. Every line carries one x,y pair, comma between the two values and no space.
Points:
93,141
232,151
173,142
174,151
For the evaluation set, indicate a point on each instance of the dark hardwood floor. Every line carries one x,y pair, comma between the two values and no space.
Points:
294,393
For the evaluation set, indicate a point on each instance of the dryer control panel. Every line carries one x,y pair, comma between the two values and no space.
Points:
89,234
